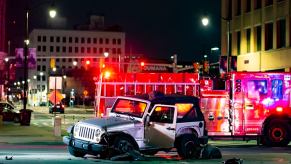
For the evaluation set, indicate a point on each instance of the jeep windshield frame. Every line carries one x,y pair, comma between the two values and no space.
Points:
130,107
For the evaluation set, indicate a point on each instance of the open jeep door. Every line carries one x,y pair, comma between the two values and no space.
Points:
160,127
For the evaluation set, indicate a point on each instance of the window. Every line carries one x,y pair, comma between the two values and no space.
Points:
64,39
238,7
268,2
186,112
76,49
38,48
101,40
70,49
248,5
38,79
257,4
70,39
58,49
43,48
258,31
113,41
44,38
38,67
51,48
89,40
129,107
118,50
39,38
64,60
82,49
88,50
238,42
82,40
277,89
281,33
114,50
256,89
268,36
43,68
64,49
94,40
76,40
70,59
248,32
44,60
57,60
106,41
119,41
163,114
94,50
51,39
43,86
101,50
58,39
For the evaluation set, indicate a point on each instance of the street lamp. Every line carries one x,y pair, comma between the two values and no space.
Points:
25,67
205,21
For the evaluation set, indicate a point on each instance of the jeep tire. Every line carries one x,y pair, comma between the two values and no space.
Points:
188,147
75,152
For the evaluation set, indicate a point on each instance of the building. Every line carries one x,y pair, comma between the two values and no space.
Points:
260,33
59,52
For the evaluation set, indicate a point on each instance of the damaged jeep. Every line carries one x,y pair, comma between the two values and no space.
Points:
142,125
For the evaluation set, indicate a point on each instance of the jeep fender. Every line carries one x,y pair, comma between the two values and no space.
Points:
112,135
183,131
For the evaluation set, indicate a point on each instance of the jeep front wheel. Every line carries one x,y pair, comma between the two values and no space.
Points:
75,152
123,145
188,147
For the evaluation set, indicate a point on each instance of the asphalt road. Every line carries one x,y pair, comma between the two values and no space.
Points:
58,154
250,153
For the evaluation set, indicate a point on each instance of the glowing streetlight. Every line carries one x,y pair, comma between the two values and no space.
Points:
205,21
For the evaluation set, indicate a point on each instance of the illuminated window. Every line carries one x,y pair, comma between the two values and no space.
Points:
129,107
163,114
256,88
277,89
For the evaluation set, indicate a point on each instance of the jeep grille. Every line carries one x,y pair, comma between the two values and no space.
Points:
86,133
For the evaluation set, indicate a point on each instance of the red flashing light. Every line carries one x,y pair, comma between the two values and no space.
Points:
87,62
279,109
142,64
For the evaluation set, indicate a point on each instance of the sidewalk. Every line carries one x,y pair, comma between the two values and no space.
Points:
14,133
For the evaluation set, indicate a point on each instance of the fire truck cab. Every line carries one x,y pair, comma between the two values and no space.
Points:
249,105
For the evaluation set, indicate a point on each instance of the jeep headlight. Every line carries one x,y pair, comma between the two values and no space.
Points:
76,129
97,133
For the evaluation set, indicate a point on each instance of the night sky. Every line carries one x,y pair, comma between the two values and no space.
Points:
155,28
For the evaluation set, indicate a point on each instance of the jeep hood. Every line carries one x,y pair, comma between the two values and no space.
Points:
110,121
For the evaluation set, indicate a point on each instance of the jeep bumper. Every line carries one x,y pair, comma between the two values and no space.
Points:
84,145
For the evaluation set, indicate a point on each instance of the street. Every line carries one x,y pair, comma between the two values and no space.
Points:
36,144
59,154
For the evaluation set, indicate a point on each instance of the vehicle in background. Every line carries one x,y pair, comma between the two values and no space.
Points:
142,124
9,112
58,108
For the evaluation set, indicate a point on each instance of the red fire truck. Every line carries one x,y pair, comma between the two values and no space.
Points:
244,105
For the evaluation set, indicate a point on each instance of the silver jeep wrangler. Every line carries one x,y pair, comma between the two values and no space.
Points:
143,125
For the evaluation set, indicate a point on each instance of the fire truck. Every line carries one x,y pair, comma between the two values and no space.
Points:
246,105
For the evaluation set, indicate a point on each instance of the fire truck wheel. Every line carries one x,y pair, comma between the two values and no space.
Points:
276,134
75,152
188,147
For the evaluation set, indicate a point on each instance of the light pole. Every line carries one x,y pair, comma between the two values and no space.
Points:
205,22
52,14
